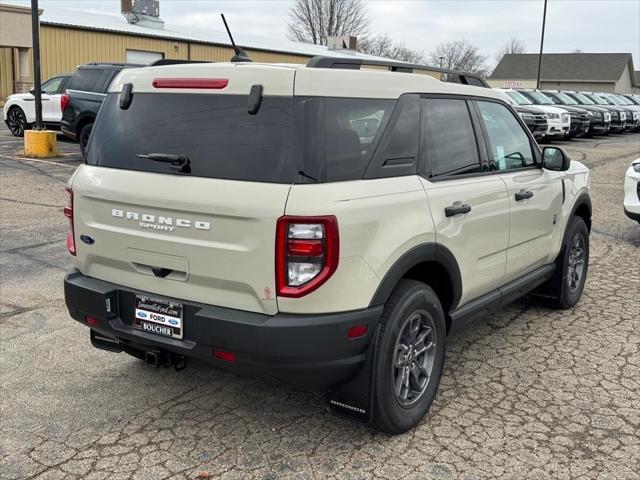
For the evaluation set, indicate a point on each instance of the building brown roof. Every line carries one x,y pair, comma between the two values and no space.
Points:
604,67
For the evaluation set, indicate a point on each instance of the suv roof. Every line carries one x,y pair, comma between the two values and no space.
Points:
278,79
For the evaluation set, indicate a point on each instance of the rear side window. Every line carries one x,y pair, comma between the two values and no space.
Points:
215,132
88,79
450,142
337,136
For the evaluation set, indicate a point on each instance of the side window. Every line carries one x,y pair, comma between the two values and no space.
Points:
508,144
353,127
449,140
86,79
52,85
397,153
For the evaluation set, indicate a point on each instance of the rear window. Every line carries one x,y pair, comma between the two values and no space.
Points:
88,79
215,132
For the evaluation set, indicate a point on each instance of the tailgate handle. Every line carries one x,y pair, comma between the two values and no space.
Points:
161,272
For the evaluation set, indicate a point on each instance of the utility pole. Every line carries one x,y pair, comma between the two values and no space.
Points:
37,82
441,59
544,19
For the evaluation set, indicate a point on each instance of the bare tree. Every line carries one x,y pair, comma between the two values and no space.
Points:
459,55
312,21
384,46
513,45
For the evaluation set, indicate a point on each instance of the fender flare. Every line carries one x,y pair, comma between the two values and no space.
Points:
583,198
426,252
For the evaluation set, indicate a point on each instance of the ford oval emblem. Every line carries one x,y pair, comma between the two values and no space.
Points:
173,322
87,239
142,315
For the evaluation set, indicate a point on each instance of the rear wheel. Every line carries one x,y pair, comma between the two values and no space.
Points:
83,138
410,357
17,121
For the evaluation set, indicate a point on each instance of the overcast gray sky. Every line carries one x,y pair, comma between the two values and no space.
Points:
590,25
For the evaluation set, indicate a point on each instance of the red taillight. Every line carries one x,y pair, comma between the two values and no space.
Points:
357,331
226,356
64,101
92,321
307,252
68,212
207,83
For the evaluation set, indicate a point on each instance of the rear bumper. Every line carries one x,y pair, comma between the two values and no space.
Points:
311,351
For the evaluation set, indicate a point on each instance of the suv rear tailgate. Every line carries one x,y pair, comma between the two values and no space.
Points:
216,237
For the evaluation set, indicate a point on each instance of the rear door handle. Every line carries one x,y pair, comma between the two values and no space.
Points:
456,209
523,195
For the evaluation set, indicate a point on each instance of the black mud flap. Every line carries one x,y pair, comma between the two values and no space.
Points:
105,343
353,400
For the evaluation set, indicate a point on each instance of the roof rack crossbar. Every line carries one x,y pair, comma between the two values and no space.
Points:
356,64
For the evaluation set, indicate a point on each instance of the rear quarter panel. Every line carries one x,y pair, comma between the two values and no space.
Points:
378,221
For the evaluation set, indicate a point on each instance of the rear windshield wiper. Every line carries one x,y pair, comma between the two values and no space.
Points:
180,163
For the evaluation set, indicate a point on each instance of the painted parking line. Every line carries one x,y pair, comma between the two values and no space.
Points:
24,159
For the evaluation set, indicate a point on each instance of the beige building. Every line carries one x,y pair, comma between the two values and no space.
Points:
71,37
590,72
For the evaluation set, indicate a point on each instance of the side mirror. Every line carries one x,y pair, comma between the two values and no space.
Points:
554,158
32,91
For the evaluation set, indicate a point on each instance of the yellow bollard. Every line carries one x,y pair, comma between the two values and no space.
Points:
40,144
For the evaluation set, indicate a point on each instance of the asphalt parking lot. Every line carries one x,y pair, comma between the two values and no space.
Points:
528,393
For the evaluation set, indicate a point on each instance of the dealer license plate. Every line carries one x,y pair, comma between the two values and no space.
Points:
158,316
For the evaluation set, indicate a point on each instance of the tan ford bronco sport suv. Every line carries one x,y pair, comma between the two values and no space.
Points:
325,225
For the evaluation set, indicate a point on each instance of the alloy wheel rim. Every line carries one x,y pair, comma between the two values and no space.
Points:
576,262
413,358
16,122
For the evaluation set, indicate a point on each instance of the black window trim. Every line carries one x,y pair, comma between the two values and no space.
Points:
376,168
481,141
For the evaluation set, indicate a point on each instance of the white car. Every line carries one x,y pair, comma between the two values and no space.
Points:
558,119
632,191
19,111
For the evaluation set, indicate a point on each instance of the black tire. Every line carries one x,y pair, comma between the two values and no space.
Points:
411,303
17,121
564,289
83,138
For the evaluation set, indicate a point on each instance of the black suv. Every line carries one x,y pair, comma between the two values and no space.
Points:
580,118
85,92
600,123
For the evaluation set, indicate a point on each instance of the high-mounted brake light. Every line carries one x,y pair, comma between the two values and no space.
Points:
68,212
307,253
64,101
205,83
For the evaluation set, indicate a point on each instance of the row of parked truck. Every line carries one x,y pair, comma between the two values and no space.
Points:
562,115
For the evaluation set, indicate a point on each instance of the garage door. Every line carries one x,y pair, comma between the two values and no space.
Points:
143,58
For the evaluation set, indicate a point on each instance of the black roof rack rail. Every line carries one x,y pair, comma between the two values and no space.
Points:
171,61
356,64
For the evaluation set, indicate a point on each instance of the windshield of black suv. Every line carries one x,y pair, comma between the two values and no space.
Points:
597,99
519,98
317,139
563,98
583,99
621,100
538,98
